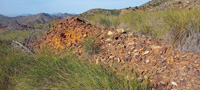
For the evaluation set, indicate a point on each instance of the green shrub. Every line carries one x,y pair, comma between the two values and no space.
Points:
171,25
101,20
23,36
182,24
13,35
90,47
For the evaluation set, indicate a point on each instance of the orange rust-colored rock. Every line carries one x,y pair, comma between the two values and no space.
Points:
153,58
67,33
127,51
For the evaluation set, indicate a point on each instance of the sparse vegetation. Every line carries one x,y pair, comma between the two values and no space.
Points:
23,36
90,47
101,20
106,12
45,70
172,25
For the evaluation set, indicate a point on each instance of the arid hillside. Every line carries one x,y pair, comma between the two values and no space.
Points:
92,12
151,6
159,5
126,51
155,46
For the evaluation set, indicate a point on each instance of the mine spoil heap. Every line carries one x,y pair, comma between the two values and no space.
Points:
166,68
67,34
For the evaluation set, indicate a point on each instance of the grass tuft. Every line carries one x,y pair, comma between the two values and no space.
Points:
46,70
90,47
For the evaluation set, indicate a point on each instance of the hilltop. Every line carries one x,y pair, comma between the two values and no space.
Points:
160,5
92,12
151,6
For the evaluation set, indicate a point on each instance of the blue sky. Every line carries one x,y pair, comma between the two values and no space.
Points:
19,7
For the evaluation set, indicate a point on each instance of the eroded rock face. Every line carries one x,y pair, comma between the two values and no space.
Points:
167,69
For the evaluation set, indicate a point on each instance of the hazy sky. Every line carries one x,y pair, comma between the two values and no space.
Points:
19,7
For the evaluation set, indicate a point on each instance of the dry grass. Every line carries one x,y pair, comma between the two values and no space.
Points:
46,70
174,26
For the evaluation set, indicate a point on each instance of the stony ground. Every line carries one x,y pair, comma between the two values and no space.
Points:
154,59
159,5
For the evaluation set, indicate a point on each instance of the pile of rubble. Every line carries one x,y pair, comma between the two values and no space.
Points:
166,68
67,34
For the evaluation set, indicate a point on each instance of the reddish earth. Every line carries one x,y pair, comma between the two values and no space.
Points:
166,68
1,27
67,34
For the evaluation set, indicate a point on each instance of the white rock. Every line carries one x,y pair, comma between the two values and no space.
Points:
181,79
146,52
130,44
155,47
147,61
135,50
121,30
97,61
110,33
119,60
109,39
111,57
174,83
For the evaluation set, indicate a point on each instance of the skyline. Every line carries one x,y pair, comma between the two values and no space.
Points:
19,7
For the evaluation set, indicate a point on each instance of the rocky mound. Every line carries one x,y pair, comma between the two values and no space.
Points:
67,34
166,68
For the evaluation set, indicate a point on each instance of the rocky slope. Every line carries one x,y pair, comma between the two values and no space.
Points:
166,68
162,5
159,5
151,6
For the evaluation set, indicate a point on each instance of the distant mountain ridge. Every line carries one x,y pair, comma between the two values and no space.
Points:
2,15
31,19
24,15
